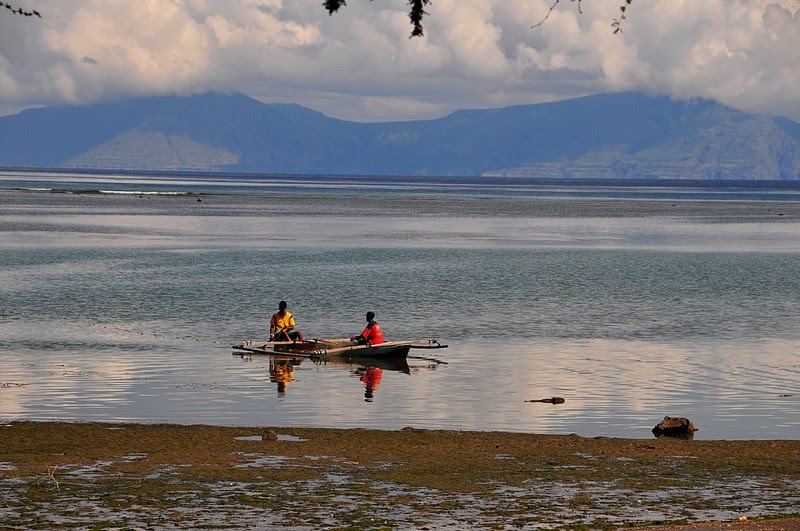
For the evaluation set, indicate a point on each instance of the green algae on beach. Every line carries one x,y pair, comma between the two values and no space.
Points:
130,475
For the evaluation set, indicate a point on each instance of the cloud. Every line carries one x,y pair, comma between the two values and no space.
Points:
360,64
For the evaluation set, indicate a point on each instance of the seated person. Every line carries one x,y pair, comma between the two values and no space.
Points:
372,334
281,326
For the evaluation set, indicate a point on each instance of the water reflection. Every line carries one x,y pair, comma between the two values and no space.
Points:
281,372
371,378
356,364
369,371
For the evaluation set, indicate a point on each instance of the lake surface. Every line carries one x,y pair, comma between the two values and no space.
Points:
632,302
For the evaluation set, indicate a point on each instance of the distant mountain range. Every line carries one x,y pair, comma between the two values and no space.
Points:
624,135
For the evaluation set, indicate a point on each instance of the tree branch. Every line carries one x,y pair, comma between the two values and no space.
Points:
550,11
617,22
417,12
20,11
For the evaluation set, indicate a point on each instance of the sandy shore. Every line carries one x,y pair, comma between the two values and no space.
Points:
140,476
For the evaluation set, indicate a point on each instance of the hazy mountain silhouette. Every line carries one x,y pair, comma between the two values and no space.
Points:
608,135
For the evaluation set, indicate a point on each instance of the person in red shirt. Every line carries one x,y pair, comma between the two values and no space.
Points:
372,334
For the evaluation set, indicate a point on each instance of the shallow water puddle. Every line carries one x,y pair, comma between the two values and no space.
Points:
281,437
290,438
262,461
345,497
93,471
134,457
249,438
277,461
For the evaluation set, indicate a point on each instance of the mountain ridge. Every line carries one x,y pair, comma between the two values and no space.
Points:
617,135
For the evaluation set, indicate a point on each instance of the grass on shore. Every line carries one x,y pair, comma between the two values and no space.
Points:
130,475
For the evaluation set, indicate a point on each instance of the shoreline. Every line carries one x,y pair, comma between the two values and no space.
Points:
143,475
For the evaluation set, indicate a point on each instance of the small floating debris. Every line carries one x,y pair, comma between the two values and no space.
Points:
136,192
553,400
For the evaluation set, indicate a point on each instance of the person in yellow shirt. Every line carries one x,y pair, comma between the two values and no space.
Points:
281,326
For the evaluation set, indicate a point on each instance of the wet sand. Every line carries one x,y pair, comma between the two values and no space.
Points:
129,475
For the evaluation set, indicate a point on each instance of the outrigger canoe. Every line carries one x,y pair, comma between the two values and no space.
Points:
321,348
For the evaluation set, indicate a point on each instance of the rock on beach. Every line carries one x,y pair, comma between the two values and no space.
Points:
674,427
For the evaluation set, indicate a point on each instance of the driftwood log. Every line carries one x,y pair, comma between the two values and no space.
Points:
554,400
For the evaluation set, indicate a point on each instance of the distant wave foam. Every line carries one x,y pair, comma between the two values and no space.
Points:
134,192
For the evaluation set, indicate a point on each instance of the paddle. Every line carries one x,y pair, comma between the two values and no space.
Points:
258,343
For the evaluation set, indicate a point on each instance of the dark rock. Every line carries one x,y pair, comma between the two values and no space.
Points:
674,427
269,435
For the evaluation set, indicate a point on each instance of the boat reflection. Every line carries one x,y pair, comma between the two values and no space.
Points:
356,363
369,371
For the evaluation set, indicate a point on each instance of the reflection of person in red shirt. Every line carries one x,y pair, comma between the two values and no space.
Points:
371,379
372,334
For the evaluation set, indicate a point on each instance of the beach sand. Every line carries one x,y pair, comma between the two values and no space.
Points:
55,474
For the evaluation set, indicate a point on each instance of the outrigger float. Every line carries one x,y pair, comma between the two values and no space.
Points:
323,348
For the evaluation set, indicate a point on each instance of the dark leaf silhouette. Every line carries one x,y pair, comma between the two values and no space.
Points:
20,11
415,13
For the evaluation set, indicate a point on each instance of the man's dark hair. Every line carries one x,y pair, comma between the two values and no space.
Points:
370,316
282,305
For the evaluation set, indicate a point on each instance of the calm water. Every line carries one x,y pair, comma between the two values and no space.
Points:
630,302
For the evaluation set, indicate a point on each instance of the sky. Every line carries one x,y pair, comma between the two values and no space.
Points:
360,64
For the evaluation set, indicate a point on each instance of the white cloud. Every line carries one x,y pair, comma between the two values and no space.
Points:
360,63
